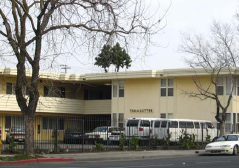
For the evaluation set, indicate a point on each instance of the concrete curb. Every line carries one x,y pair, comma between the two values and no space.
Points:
37,161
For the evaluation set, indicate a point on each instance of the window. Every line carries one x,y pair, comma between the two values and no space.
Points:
114,122
189,125
182,124
163,115
53,91
228,85
121,89
170,115
173,124
203,125
118,120
121,120
163,88
10,88
197,126
132,123
51,123
170,87
145,123
157,124
220,87
209,125
14,121
166,115
167,87
118,88
164,124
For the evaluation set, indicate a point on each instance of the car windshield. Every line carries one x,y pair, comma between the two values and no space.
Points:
18,129
100,129
228,138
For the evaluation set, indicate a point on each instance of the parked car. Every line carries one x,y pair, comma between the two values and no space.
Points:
100,134
73,136
18,133
227,144
115,135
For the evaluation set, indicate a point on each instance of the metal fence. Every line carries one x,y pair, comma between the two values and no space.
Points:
95,133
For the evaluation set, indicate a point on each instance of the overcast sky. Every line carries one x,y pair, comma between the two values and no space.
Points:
183,16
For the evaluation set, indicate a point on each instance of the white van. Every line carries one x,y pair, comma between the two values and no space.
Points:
175,127
159,128
138,127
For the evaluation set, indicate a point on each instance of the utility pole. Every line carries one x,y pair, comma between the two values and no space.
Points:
65,67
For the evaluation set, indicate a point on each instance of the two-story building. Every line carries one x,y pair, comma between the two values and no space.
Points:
116,96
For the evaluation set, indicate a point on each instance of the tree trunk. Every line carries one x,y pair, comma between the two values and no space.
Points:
29,134
222,128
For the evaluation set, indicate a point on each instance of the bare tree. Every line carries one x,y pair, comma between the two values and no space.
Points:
32,30
216,54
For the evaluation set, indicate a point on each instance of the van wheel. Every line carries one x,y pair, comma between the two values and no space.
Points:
235,150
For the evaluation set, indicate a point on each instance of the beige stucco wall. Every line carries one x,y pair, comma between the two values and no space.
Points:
139,94
145,94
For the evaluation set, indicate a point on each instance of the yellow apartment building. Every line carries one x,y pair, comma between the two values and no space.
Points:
116,96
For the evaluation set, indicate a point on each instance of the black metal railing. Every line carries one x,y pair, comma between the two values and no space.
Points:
94,133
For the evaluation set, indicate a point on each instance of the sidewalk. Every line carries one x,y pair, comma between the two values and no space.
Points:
124,155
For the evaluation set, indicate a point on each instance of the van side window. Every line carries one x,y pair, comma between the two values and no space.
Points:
203,125
151,123
145,123
189,125
163,124
173,124
132,123
209,125
182,124
197,126
157,124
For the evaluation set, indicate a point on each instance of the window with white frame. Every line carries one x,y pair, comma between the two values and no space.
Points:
170,116
228,85
121,88
118,120
163,115
167,87
220,87
118,89
166,115
121,120
10,88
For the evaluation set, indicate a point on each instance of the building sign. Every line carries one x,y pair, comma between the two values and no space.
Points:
141,110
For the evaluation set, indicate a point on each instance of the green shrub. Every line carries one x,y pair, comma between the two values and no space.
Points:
154,142
187,141
99,146
134,142
12,145
208,139
166,141
122,141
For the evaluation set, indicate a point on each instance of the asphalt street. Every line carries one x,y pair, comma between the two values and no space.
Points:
173,162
